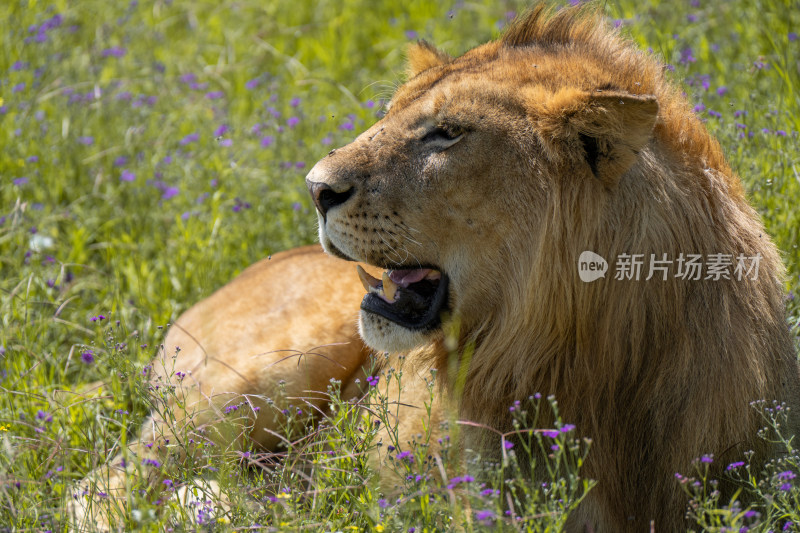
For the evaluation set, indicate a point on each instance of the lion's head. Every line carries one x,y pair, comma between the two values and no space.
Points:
460,188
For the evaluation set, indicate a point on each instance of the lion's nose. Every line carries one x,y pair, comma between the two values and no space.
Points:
326,197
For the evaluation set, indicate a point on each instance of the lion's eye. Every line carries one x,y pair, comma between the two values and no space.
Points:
443,136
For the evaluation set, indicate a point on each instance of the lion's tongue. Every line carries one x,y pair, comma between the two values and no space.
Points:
404,278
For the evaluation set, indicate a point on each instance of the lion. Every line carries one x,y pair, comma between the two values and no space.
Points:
474,201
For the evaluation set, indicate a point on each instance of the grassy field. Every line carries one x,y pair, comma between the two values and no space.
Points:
152,149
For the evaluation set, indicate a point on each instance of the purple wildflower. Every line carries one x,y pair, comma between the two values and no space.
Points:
121,161
792,36
484,516
240,205
686,56
373,380
411,34
114,51
215,95
707,459
294,102
18,87
127,175
722,90
169,192
87,357
252,84
382,503
192,137
221,130
44,416
508,444
20,181
267,141
552,433
405,456
566,428
292,122
734,466
151,462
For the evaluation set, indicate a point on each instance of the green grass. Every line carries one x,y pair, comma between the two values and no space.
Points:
150,151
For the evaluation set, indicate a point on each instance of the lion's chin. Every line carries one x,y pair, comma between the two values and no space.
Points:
383,335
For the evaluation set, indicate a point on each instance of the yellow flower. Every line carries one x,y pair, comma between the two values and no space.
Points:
1,101
3,427
379,528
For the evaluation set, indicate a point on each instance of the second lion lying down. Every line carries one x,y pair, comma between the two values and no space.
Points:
473,200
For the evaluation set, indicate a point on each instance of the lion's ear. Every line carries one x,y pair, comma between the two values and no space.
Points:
422,55
611,126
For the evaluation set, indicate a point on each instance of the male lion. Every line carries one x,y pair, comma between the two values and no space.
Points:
479,191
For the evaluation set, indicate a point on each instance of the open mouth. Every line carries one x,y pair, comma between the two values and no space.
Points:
412,298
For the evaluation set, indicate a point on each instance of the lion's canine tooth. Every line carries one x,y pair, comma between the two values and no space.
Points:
366,280
389,287
433,275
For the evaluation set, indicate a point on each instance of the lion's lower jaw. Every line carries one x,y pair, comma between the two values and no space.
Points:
383,335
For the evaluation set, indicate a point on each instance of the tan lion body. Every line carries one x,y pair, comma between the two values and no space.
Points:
499,168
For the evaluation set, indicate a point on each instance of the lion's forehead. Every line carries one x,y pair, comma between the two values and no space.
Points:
516,79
